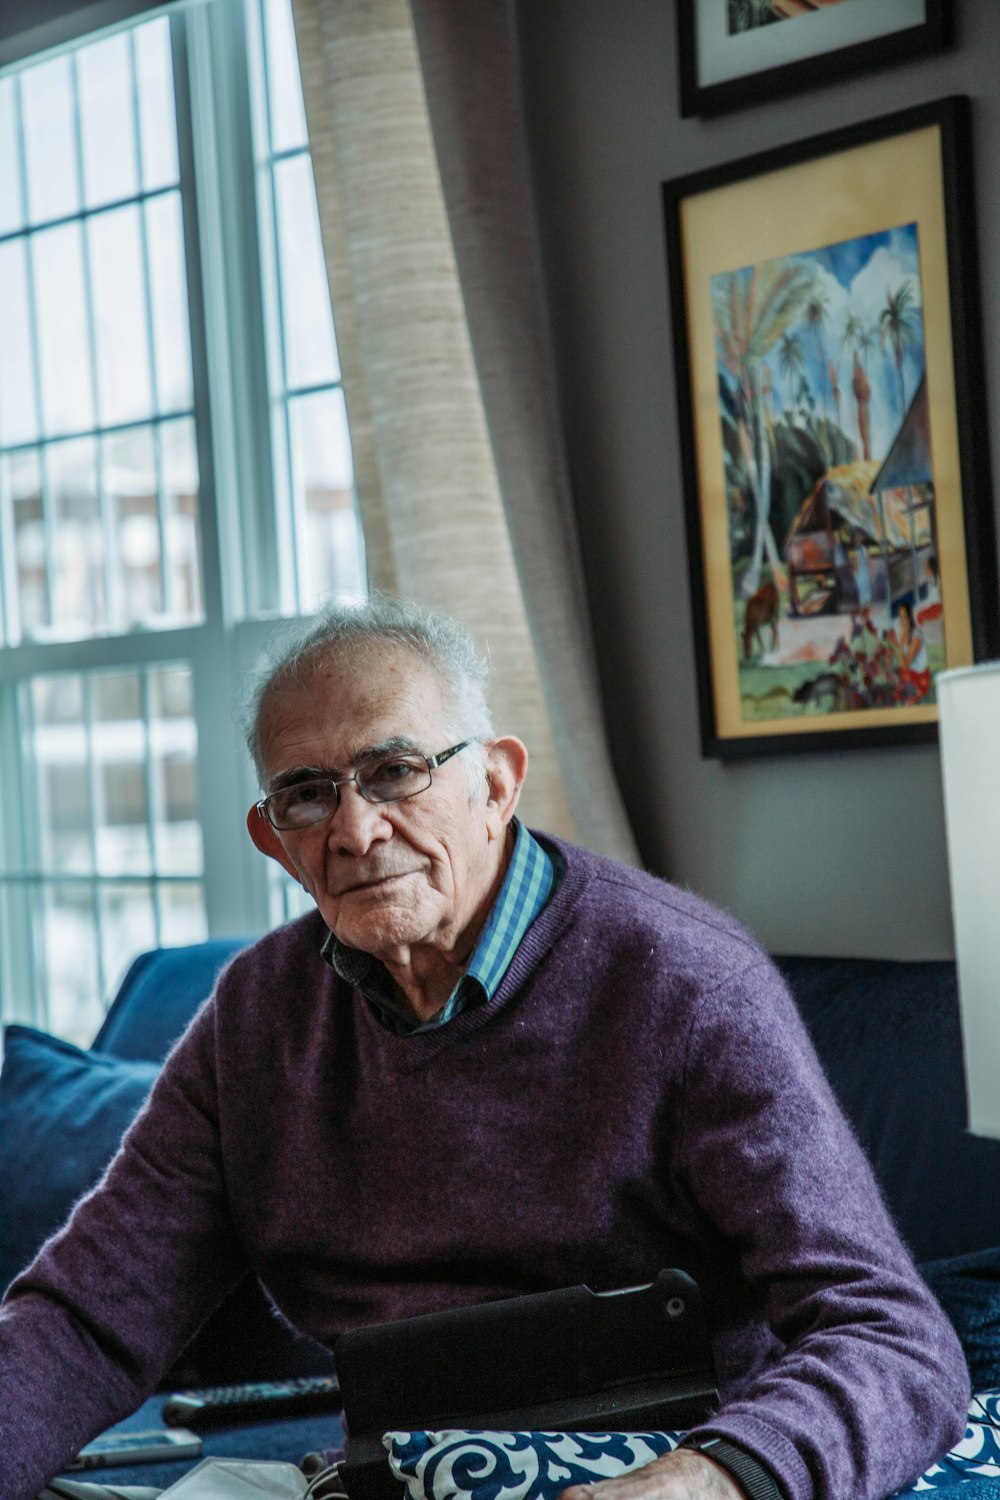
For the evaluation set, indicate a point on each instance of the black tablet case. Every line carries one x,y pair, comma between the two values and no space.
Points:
570,1360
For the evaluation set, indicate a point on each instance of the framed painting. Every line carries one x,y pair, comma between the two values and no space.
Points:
737,52
824,300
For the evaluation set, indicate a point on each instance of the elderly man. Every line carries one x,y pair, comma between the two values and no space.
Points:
488,1063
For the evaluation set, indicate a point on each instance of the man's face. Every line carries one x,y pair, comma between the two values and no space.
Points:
387,876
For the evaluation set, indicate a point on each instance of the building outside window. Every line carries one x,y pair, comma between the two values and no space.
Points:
175,475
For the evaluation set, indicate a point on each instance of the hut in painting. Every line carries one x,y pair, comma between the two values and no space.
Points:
905,483
865,533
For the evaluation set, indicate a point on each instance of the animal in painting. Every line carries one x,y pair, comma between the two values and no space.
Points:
762,611
823,691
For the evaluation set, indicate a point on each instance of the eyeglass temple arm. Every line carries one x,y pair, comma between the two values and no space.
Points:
433,761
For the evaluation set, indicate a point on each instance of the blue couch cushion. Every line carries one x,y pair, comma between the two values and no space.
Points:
159,995
889,1035
968,1288
62,1115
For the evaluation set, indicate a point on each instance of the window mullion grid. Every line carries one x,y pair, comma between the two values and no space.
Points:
113,602
153,803
112,618
10,624
167,590
95,819
114,598
166,585
32,802
19,990
285,418
48,531
293,508
112,429
293,565
22,172
232,451
11,601
36,360
140,197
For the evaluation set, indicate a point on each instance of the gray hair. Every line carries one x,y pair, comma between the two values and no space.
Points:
441,642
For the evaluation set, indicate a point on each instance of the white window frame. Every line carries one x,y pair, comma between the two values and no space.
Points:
240,545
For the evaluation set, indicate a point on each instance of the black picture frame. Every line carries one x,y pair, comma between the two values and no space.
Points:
758,218
702,92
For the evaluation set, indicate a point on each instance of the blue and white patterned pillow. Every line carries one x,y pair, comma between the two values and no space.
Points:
977,1456
474,1465
461,1465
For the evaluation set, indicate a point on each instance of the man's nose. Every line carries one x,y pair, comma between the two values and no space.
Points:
358,823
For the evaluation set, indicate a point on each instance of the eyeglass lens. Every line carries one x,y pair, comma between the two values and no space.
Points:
384,779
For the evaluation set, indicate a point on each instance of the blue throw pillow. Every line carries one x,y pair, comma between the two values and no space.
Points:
63,1112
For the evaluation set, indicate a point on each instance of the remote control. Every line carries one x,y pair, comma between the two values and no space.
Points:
264,1401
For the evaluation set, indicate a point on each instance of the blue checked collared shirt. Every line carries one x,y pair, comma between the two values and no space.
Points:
529,882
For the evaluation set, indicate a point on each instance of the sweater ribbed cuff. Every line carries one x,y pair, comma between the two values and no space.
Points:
754,1477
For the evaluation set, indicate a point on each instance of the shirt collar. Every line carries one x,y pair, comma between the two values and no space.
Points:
527,885
525,890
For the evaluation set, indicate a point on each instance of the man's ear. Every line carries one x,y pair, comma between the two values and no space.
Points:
506,768
267,841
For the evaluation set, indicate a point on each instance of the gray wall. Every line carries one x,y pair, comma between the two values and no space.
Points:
820,853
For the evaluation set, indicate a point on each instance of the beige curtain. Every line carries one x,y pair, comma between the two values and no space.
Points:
417,154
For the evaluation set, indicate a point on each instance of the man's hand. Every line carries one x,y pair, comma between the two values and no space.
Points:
681,1475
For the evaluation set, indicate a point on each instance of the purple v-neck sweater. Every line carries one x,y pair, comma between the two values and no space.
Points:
639,1093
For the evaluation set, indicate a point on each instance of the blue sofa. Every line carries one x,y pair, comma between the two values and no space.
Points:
888,1034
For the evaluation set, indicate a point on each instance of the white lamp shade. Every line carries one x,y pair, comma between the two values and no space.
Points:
969,708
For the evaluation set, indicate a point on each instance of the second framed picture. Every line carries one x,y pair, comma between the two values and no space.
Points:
833,433
732,53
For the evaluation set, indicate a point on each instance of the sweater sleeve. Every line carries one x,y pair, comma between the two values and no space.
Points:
869,1386
87,1331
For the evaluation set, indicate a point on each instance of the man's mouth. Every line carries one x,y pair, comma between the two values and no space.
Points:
373,882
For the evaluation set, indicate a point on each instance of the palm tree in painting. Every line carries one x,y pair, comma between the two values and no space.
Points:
804,397
862,397
865,345
860,340
857,337
753,308
853,328
767,387
791,361
816,313
834,379
899,326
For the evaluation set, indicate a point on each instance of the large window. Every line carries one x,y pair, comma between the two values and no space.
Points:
175,471
98,473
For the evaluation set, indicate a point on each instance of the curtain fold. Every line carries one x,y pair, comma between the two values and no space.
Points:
425,212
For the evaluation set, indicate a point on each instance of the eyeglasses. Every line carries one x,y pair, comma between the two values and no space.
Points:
380,778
